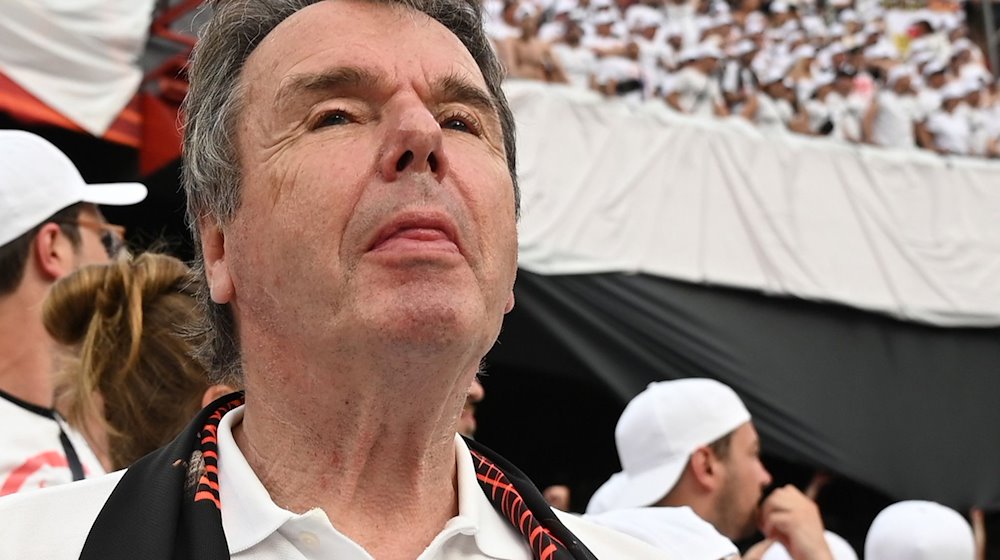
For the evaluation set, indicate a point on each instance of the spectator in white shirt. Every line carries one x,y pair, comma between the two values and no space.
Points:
578,62
935,78
949,127
892,117
696,89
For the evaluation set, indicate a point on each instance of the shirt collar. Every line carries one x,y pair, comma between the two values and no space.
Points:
494,535
249,516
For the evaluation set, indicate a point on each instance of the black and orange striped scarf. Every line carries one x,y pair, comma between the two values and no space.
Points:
166,506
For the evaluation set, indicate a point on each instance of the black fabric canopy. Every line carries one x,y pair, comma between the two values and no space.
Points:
907,409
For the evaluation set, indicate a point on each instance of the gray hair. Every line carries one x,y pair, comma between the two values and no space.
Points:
211,174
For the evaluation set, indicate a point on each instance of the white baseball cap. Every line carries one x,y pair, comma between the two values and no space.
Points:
37,180
919,530
658,431
840,549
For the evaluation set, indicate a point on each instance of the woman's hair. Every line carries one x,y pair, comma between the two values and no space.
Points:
130,322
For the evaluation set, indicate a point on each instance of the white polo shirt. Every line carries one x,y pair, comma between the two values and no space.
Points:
256,527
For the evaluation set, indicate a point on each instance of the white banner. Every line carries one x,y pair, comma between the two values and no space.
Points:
611,187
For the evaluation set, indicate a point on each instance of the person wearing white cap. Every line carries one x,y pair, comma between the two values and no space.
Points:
950,128
653,51
935,78
617,71
982,138
49,226
846,108
815,107
692,480
738,82
577,61
919,530
530,57
892,117
777,107
696,90
554,27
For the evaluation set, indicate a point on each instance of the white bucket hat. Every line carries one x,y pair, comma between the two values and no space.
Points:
37,180
657,433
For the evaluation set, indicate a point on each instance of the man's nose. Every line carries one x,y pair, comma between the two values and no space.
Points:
414,141
765,476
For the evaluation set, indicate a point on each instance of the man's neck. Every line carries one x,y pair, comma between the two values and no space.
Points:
374,450
26,350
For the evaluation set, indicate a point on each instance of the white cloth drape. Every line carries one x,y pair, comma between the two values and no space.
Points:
611,187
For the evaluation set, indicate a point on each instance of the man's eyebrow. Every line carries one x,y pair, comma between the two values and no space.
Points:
454,89
343,78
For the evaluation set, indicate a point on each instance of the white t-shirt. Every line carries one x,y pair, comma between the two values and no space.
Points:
577,62
258,529
675,530
951,131
773,115
979,130
652,55
929,101
818,112
32,452
893,126
698,93
845,117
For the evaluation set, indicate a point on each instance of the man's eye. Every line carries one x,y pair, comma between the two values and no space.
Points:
333,119
456,124
462,123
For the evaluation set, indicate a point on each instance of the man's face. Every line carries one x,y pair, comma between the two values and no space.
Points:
902,85
376,199
743,485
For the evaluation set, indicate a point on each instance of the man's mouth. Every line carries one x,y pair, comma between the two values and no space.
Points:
417,231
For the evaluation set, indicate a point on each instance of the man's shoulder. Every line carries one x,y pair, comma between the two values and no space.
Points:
609,544
52,523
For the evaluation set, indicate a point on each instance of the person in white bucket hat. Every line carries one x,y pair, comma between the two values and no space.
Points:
50,225
692,480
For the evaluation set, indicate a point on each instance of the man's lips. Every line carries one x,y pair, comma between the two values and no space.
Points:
417,232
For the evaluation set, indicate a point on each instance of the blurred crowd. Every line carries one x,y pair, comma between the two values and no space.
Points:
840,70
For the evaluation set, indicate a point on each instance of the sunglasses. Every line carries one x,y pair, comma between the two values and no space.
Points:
112,236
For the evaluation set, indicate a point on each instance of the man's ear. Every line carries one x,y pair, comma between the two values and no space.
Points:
54,252
213,249
705,468
215,392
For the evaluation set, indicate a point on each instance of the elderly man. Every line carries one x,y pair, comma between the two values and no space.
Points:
692,479
352,191
49,226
